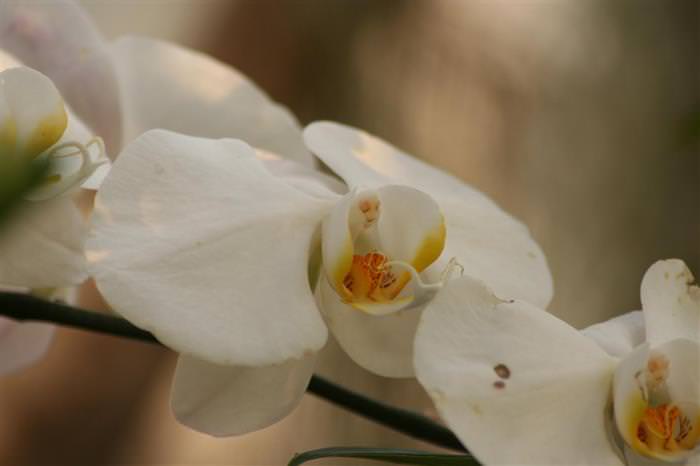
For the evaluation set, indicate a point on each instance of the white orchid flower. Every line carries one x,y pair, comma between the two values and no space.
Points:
128,86
58,39
519,386
41,250
120,89
216,248
41,246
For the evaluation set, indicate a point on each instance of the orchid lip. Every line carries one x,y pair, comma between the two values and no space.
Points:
57,183
666,431
420,294
377,242
660,422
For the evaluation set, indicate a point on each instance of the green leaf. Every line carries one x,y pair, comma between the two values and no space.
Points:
386,455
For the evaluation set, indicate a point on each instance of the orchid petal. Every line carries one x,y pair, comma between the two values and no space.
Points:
381,344
496,248
59,39
8,61
337,241
22,344
671,303
486,241
363,160
73,161
32,114
42,246
675,382
302,177
95,180
195,241
410,226
225,400
170,87
515,384
619,335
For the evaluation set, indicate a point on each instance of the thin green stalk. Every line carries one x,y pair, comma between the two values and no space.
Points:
29,308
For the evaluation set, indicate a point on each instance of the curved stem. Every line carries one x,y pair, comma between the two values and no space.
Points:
29,308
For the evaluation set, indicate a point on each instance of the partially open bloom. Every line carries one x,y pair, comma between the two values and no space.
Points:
519,386
215,248
125,87
58,39
41,246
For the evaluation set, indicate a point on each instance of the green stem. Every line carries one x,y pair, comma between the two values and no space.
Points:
385,455
24,307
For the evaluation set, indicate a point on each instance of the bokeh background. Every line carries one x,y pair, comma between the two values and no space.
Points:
580,117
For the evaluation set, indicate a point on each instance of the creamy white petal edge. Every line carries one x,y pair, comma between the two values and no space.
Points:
32,114
59,39
22,344
671,303
515,384
42,245
619,335
225,400
170,87
195,241
486,241
381,344
302,177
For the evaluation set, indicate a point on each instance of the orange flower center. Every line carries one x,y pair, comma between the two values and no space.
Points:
371,279
665,429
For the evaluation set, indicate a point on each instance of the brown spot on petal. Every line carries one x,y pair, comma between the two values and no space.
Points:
502,371
499,384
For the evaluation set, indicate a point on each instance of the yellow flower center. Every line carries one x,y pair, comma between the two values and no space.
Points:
371,279
662,428
375,245
665,431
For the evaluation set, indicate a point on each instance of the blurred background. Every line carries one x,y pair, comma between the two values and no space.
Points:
581,117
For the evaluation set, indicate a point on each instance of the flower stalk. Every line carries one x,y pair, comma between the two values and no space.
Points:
30,308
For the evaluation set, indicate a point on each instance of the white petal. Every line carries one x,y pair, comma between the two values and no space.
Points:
515,384
21,344
95,180
309,180
74,159
225,400
410,226
381,344
337,241
670,302
490,244
42,245
363,160
619,335
195,241
59,39
694,461
33,109
8,61
680,387
170,87
497,249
